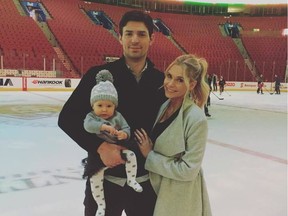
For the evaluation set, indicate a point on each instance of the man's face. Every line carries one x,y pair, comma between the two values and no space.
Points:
135,40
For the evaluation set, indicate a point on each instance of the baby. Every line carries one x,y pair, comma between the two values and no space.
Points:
111,126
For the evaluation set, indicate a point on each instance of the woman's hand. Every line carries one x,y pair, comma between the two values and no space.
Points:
144,142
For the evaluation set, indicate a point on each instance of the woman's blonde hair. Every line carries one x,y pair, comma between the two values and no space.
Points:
195,69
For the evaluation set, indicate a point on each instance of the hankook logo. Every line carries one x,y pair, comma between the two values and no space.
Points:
47,82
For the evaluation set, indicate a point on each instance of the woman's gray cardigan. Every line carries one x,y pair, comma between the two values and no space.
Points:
174,165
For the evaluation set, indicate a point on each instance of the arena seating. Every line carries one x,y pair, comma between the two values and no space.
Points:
22,43
83,41
24,46
265,44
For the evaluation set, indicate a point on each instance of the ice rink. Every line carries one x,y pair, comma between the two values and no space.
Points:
245,164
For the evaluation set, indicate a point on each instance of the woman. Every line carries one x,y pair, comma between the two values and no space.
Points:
175,150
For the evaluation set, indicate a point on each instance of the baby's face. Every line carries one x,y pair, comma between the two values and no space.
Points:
104,108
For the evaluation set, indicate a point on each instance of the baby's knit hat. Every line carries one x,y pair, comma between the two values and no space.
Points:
104,88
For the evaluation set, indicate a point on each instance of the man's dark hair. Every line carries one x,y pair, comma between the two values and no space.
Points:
137,16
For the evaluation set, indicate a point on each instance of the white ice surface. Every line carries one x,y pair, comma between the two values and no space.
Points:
245,164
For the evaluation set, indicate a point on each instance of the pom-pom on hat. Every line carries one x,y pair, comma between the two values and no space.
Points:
104,88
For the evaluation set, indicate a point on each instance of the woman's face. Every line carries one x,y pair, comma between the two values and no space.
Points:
174,85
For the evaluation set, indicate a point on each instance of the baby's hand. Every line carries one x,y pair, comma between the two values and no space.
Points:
121,135
111,130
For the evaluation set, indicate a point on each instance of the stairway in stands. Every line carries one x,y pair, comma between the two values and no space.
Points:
66,62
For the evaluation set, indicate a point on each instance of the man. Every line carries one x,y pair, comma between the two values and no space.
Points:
214,80
140,95
277,84
222,84
208,80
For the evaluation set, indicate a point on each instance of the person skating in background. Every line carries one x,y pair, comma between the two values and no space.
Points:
277,84
208,79
222,84
109,124
260,84
214,80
